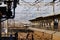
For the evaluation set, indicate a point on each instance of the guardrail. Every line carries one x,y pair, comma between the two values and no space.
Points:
42,34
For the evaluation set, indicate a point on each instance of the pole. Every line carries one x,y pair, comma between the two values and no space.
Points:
0,27
55,18
54,13
0,24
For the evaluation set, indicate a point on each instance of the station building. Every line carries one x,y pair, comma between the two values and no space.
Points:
51,22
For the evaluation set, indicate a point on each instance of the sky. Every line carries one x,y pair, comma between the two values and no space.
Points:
25,13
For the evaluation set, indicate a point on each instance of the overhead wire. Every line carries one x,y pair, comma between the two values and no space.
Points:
35,3
32,3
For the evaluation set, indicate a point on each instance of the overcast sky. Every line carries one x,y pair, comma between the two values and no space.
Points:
25,13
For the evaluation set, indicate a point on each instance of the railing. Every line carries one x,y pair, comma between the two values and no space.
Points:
25,36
